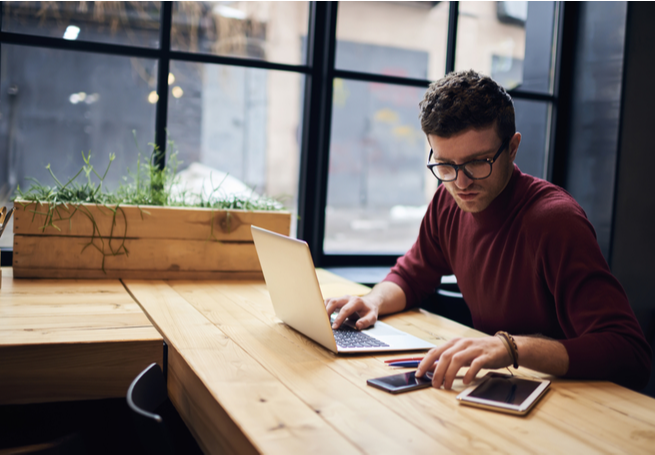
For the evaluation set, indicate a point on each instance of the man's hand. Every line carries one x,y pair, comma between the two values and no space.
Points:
478,353
385,297
349,305
535,352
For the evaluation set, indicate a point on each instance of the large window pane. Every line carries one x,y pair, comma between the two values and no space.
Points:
237,122
272,31
378,184
130,23
393,38
56,104
510,41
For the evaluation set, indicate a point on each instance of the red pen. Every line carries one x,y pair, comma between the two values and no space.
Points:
404,359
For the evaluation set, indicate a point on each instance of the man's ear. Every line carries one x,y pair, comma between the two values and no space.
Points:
514,145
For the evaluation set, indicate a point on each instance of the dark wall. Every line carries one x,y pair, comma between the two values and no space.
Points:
595,113
633,246
633,235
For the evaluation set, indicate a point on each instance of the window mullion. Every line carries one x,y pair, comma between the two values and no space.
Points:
163,68
314,159
453,16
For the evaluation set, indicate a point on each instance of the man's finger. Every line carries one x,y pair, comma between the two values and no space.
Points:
475,368
366,321
459,360
344,312
335,303
428,360
442,366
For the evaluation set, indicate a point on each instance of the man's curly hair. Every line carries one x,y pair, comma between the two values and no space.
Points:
463,100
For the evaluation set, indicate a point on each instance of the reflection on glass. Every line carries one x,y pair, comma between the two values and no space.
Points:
56,104
510,41
238,126
378,186
405,39
532,122
272,31
129,23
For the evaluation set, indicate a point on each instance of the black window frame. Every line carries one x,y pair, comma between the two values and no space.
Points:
320,73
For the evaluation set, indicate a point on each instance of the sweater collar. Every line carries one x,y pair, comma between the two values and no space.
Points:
496,212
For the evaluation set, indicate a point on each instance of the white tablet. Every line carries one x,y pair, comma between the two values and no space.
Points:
505,393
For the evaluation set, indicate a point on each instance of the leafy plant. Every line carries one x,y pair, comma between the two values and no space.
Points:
148,185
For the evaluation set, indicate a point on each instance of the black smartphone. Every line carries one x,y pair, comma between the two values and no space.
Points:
398,383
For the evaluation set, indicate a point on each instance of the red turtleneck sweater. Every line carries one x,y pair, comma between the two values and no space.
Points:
530,264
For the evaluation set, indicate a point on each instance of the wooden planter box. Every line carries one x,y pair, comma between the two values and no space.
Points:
95,241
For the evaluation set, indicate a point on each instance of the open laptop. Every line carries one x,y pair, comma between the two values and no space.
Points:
292,283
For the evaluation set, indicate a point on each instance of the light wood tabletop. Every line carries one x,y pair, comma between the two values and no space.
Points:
66,340
244,382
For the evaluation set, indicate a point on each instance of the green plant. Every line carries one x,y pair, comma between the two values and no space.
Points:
148,185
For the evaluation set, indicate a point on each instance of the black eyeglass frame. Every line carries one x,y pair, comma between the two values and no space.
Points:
462,166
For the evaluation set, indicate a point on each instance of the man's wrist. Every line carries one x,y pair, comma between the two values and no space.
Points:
387,297
510,345
375,302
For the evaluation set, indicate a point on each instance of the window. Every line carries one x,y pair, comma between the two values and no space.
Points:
312,102
127,23
270,31
88,77
56,104
386,55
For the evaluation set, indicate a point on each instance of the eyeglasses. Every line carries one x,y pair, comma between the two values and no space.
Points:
474,169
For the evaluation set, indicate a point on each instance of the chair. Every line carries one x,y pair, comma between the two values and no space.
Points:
448,301
159,426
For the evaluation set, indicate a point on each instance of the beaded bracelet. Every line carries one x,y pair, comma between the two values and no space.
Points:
510,345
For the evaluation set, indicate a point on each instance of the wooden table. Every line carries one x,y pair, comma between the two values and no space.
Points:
66,340
245,383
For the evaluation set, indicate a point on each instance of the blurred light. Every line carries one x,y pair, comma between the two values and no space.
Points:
153,97
90,99
177,91
83,97
230,13
171,78
71,32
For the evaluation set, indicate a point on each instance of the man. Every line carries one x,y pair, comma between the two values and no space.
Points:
525,256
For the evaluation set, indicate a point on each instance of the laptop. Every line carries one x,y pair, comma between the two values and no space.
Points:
292,283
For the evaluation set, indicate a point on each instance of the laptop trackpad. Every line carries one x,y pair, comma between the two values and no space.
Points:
380,329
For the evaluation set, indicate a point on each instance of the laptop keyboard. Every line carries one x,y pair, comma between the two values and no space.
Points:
350,338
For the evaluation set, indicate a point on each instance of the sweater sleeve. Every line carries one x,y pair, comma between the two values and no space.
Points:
604,340
419,271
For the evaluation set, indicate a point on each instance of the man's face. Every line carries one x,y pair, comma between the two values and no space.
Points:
475,195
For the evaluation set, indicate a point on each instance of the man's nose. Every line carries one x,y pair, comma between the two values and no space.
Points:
462,181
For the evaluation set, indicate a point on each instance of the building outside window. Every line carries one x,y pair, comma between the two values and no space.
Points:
235,97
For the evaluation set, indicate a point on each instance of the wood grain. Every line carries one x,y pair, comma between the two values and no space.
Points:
38,373
37,272
47,252
574,417
272,418
241,305
182,223
71,340
335,286
362,419
96,241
